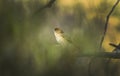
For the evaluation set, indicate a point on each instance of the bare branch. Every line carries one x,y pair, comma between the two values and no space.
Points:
103,55
48,5
107,20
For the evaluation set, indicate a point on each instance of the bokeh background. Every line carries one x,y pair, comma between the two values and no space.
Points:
28,46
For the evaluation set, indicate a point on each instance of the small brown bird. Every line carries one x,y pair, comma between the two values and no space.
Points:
59,35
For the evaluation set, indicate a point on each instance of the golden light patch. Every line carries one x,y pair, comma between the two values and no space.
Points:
97,2
89,3
113,21
111,37
85,2
66,3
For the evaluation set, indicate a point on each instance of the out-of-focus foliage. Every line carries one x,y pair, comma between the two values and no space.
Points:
27,43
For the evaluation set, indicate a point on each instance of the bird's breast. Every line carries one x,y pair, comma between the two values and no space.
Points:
60,39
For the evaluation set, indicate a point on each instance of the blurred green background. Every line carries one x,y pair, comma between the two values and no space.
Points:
28,46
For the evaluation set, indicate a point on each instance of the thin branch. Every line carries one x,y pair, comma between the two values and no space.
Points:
48,5
103,55
107,20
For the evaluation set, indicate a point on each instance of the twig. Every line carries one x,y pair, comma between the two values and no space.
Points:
103,55
48,5
106,23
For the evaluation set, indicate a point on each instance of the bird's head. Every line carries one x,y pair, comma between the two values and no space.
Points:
58,30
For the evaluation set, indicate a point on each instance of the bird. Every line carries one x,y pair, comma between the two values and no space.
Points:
70,52
65,41
60,38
